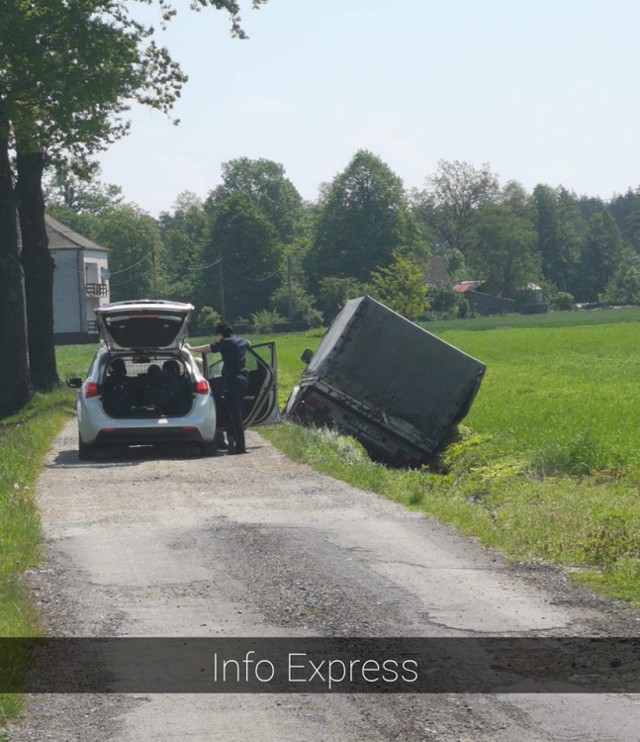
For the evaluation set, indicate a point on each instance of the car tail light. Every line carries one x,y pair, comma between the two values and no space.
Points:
91,389
201,387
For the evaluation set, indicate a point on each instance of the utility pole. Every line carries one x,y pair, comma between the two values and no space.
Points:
222,307
290,290
154,280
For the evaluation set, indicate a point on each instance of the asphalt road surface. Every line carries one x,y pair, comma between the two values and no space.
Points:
166,544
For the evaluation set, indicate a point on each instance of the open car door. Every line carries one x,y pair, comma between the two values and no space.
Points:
260,404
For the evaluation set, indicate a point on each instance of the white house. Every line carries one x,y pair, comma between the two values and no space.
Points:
80,283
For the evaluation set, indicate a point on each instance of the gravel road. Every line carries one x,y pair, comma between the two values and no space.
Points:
147,544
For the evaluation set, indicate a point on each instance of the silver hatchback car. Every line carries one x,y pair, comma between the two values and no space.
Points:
145,387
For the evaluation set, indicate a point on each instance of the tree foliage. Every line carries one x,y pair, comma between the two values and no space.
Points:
184,233
244,259
401,286
135,253
601,255
363,218
68,70
335,291
504,255
208,320
453,196
265,182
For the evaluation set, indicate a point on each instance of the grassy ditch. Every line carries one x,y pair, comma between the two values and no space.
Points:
548,465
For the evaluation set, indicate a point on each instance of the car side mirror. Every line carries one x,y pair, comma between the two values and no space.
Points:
306,356
74,383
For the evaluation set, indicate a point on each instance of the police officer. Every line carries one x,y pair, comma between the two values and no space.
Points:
234,378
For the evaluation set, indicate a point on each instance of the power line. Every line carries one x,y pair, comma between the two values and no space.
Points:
129,280
256,280
129,267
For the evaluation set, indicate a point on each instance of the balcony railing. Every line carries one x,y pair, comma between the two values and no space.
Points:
97,289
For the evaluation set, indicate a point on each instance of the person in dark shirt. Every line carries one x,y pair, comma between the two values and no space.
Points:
232,348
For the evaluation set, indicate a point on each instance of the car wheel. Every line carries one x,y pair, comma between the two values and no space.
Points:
86,452
210,448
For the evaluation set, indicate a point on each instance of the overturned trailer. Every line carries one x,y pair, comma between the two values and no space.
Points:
387,382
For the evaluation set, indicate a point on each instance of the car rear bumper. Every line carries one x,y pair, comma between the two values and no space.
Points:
96,428
133,436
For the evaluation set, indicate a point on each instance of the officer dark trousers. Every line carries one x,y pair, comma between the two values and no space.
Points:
235,389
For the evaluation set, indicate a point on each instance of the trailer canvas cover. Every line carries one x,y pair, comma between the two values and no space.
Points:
389,363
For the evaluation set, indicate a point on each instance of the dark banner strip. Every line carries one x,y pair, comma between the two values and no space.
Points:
320,665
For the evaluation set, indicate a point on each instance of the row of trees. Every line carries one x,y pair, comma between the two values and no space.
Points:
68,71
254,247
579,245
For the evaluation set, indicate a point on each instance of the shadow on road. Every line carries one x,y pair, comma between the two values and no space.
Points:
127,456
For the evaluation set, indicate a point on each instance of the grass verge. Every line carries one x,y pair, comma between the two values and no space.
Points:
25,439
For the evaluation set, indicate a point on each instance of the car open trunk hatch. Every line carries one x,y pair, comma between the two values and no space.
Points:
144,325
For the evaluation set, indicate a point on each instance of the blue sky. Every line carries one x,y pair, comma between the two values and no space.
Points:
544,92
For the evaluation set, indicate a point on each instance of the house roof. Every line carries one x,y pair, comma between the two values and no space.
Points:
62,237
467,286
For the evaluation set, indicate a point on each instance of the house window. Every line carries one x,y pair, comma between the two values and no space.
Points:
91,273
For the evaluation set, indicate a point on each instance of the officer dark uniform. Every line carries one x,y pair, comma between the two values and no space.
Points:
234,380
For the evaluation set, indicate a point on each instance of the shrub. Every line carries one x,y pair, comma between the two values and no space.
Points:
265,320
563,302
208,318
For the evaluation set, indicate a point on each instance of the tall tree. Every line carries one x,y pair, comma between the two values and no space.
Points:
15,383
504,255
624,286
242,260
136,254
559,225
38,267
453,196
265,182
364,216
185,233
67,71
571,232
625,209
601,255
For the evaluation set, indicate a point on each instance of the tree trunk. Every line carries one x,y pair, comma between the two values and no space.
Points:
38,271
15,384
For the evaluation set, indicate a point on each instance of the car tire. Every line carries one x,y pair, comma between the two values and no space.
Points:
86,452
210,448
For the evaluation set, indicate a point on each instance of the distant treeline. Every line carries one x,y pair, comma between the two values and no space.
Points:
254,252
